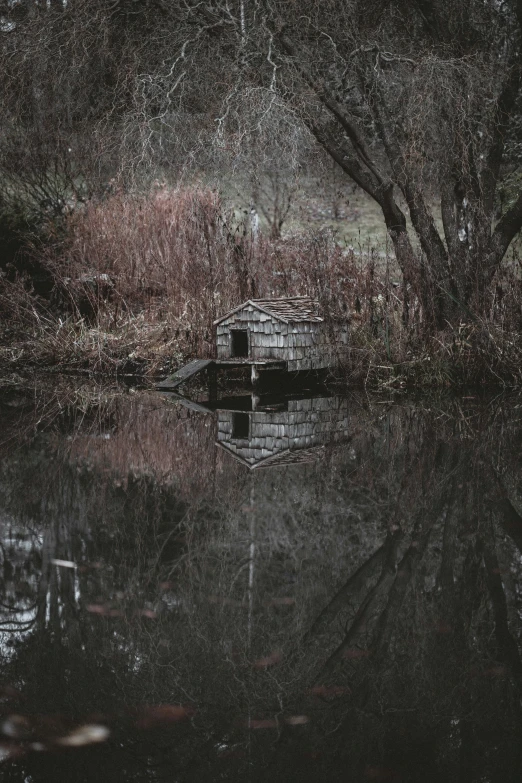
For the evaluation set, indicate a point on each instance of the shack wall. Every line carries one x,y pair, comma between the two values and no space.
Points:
315,346
266,334
303,345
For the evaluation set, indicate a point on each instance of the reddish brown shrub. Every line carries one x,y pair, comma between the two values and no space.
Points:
139,280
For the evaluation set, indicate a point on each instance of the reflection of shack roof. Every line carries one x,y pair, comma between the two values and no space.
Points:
286,457
289,310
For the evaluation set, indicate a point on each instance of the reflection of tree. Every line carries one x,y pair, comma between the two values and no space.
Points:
378,597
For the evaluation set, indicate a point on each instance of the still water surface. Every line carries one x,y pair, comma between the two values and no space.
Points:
282,589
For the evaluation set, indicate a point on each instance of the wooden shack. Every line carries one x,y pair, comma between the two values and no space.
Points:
271,336
292,331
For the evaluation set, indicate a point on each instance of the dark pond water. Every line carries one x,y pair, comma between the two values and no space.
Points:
282,589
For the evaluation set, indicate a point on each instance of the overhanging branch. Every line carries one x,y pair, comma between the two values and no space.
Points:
506,230
347,123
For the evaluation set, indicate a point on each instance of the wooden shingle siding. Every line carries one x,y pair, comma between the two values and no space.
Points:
304,343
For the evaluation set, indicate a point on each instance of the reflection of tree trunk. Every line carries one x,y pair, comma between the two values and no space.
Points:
450,600
57,601
466,751
421,535
44,585
397,578
509,517
458,604
510,520
446,574
251,565
367,608
350,589
507,645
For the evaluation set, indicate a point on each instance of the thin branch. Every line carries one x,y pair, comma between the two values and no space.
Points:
351,586
347,123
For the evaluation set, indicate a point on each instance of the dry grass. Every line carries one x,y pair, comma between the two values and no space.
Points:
140,279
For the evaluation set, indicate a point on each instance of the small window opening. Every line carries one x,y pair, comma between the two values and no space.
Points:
239,343
240,426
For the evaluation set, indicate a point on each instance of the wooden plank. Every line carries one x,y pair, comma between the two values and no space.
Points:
271,364
189,370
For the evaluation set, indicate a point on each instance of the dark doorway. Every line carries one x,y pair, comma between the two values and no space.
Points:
239,343
240,426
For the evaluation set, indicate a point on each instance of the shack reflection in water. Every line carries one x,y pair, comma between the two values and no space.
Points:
284,431
168,614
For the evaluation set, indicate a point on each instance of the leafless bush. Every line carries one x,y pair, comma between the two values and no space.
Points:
272,195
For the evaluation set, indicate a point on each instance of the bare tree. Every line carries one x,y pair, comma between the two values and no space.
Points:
413,100
416,101
272,196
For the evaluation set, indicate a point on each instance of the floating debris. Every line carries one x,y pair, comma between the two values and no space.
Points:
270,660
89,734
63,563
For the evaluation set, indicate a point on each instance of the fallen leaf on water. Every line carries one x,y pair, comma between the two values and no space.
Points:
224,601
85,735
85,567
297,720
10,751
103,610
270,660
96,609
264,723
495,671
354,654
8,693
313,755
4,752
16,727
225,751
161,714
150,613
379,773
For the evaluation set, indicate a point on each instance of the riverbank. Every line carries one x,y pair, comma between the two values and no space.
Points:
469,355
133,285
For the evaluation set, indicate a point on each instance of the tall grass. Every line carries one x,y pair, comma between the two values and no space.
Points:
139,280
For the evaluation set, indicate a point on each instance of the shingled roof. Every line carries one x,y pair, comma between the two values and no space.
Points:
279,458
289,310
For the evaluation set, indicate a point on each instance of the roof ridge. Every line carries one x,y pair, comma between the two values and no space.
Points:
286,309
287,299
